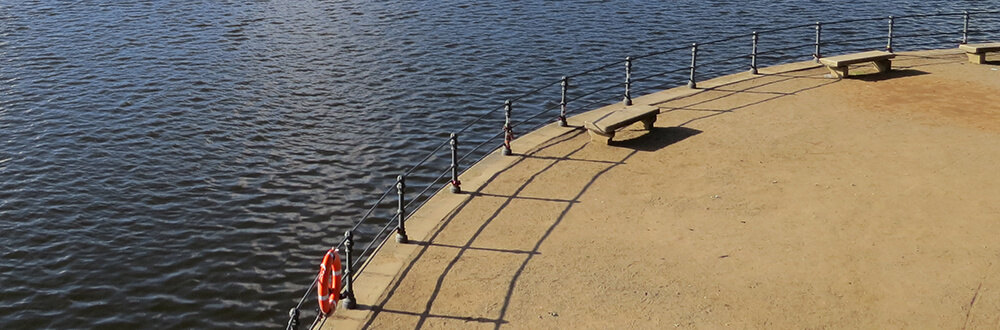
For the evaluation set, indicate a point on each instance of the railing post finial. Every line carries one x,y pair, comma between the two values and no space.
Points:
348,297
401,211
694,64
293,319
628,81
965,28
508,131
456,186
819,32
562,102
753,54
892,23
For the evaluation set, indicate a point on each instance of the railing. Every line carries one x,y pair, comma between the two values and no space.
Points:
707,59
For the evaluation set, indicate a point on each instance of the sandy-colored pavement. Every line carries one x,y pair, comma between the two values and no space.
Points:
783,200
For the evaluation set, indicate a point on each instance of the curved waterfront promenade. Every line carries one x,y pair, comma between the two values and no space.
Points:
787,199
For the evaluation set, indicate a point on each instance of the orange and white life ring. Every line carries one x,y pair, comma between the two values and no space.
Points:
329,285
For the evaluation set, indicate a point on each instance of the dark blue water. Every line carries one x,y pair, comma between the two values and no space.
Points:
185,164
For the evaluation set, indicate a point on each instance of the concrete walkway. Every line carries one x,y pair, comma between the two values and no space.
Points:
783,200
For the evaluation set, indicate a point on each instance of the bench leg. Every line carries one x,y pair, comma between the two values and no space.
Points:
840,72
596,136
647,123
975,58
883,65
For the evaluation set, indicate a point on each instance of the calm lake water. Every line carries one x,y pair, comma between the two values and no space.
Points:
185,164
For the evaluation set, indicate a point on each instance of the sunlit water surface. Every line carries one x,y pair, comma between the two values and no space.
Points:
184,164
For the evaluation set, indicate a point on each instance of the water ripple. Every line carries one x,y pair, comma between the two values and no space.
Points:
185,164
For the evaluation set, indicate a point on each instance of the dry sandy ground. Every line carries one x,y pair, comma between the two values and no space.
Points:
791,200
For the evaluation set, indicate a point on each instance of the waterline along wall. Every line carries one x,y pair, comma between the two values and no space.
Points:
643,74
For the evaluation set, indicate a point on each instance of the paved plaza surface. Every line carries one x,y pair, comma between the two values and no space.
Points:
787,199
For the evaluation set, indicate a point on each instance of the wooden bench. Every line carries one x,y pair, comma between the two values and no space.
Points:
603,129
838,64
977,52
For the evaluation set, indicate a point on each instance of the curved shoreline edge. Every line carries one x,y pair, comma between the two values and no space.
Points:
390,262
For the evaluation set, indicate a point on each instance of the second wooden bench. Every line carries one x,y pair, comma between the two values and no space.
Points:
838,64
603,129
977,52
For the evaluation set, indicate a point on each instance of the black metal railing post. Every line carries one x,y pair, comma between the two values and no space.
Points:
507,129
892,23
562,102
694,64
401,211
753,54
965,28
293,319
456,186
819,32
348,297
628,81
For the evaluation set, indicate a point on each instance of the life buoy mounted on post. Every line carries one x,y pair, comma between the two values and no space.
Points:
329,286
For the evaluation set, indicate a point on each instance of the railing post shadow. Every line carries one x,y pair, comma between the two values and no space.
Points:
348,294
507,129
753,54
401,211
694,64
456,186
892,22
348,297
562,102
628,81
819,31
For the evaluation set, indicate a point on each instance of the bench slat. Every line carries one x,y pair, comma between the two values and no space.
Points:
845,60
624,117
603,129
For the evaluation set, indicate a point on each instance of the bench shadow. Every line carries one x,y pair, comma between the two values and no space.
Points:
657,138
893,74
